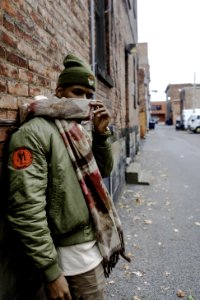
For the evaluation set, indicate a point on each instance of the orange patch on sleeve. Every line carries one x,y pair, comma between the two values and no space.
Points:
22,158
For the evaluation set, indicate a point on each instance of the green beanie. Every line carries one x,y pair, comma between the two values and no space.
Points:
76,72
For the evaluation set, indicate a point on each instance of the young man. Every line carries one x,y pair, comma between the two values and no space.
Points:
58,204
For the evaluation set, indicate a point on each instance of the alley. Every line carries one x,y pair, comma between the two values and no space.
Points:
162,222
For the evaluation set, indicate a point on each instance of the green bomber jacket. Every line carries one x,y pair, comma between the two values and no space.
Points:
46,207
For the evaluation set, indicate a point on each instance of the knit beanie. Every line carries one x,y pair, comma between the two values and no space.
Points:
76,72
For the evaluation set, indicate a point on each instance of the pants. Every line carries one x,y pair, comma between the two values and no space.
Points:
88,286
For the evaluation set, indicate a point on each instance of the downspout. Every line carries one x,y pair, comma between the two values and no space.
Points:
92,35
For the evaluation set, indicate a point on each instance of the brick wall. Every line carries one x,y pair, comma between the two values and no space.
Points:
35,36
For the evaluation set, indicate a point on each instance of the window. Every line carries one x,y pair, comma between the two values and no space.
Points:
102,13
156,107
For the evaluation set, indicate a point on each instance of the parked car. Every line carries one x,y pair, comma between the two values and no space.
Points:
194,123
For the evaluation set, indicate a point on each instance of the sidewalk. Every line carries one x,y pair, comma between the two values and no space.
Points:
155,233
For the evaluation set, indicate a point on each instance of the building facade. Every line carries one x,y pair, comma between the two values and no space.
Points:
35,38
143,88
173,103
158,111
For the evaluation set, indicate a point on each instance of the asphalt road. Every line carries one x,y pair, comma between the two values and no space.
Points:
162,222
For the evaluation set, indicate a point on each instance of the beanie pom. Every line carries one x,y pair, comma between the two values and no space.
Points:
71,61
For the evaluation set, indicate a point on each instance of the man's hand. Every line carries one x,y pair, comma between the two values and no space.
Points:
101,117
58,289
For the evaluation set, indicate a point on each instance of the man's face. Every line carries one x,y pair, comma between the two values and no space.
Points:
75,91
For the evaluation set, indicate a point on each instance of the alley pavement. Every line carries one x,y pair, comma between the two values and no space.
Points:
161,222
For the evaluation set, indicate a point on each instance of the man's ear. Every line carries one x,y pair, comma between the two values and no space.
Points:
59,91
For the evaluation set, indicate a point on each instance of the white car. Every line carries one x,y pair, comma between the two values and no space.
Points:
194,123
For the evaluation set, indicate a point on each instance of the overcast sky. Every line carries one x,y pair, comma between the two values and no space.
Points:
172,30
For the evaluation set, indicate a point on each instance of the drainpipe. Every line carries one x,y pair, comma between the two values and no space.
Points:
92,35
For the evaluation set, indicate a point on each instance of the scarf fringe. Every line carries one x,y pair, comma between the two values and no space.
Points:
109,265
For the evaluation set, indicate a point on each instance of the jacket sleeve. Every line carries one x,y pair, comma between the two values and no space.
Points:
102,151
26,204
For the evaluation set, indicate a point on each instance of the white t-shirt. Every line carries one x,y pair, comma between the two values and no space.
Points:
78,259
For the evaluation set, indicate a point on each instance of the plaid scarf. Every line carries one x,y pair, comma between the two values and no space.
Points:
106,222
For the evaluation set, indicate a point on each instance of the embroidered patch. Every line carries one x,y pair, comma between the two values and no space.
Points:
22,158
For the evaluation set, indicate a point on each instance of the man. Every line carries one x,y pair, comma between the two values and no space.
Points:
58,204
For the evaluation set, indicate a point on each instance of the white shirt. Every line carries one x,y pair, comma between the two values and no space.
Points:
78,259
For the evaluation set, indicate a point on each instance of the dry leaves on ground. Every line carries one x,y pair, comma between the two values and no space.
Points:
148,222
180,294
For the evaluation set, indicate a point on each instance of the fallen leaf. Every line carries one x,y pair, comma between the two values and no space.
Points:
197,223
126,267
136,246
139,200
180,293
129,254
163,175
164,288
151,203
129,210
129,237
190,297
139,274
148,222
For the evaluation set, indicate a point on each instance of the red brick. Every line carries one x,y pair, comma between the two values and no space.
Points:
19,32
3,133
26,75
8,102
17,60
37,18
12,115
8,114
8,24
7,70
26,49
8,40
17,88
43,81
22,5
2,52
36,66
34,91
9,8
3,86
1,17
